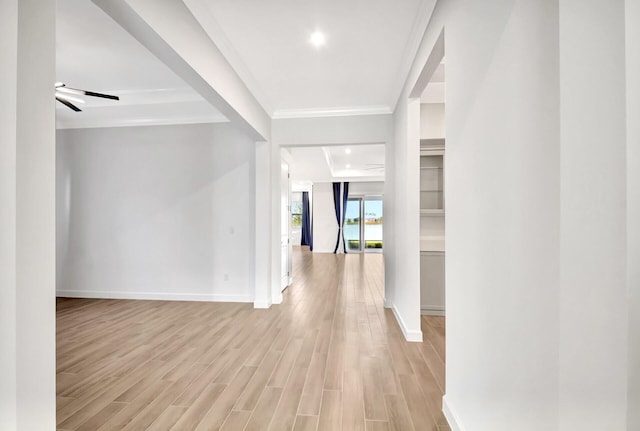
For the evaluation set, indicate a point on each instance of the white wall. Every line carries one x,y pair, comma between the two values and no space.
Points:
161,212
406,273
632,11
535,213
366,188
501,316
325,227
593,289
358,129
432,121
502,214
391,253
263,242
27,226
8,74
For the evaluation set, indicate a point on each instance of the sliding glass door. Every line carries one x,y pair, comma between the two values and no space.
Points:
353,225
363,224
373,224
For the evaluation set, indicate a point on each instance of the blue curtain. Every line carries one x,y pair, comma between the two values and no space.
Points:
336,205
340,214
307,238
345,196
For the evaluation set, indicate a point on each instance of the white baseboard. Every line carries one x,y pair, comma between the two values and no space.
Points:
157,296
454,423
415,336
432,310
277,298
261,304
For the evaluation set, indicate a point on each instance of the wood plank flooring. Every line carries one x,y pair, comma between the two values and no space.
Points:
329,358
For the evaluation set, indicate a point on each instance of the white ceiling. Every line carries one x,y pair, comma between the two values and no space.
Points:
95,53
434,92
325,164
369,49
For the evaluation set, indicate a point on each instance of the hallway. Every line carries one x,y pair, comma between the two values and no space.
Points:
330,357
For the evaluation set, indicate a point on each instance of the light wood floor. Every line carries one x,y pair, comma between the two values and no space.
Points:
329,358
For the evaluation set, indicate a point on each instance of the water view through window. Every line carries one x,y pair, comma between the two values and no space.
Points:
363,219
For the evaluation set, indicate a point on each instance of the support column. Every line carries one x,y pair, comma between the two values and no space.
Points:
27,215
263,215
276,256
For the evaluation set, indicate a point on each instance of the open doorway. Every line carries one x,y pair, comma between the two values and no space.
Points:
359,169
430,89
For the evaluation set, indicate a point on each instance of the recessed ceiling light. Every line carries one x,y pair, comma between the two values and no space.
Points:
348,151
348,166
317,39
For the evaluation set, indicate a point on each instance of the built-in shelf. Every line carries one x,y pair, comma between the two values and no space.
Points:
432,243
432,144
432,227
431,181
432,212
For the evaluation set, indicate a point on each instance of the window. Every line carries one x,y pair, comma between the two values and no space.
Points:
296,211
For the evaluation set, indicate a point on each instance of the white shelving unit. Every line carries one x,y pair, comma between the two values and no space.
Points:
432,180
432,210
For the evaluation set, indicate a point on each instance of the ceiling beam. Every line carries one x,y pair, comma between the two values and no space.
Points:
170,32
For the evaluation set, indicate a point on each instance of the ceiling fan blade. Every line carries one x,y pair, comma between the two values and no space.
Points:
86,93
104,96
69,98
68,104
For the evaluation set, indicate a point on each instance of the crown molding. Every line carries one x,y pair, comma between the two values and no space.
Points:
345,111
132,122
141,108
149,96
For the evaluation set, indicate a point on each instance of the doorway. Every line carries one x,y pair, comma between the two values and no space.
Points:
313,170
285,224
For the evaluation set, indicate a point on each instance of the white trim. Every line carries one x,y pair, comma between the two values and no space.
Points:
277,298
127,122
414,336
261,304
344,111
150,96
158,296
452,419
432,310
